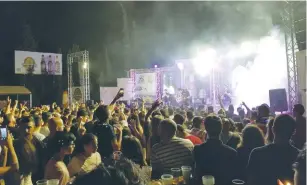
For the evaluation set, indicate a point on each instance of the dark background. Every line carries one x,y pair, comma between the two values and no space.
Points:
139,35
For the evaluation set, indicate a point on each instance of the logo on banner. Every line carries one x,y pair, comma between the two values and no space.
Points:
29,65
77,94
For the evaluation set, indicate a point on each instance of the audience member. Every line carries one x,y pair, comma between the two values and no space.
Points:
188,124
86,158
46,116
133,150
252,137
213,157
269,163
179,119
299,138
56,168
269,134
198,128
30,151
38,121
227,136
182,133
78,128
171,152
300,168
263,117
107,140
154,135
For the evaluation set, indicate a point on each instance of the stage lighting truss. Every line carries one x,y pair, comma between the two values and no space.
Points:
291,49
84,78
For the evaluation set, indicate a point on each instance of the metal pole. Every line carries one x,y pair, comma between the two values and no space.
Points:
30,100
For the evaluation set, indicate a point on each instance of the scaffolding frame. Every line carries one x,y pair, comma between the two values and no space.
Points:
291,49
84,76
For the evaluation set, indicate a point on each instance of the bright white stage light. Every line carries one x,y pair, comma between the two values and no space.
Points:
205,62
180,66
84,65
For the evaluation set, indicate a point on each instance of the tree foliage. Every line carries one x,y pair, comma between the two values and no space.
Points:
28,41
75,48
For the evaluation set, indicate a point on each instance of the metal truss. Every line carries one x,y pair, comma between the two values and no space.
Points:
291,49
85,77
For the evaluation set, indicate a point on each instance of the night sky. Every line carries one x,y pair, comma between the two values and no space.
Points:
150,33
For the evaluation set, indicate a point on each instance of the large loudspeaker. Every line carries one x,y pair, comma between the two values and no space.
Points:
278,100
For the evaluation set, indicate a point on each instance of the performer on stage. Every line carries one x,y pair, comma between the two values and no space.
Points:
226,98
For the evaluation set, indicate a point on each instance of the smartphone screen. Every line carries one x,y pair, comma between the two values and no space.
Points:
3,133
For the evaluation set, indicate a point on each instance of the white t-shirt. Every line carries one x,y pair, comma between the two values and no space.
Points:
45,131
81,165
39,136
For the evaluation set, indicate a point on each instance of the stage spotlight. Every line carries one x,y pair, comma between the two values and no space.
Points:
84,65
205,62
155,66
180,66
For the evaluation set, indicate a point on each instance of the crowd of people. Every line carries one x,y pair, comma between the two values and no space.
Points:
113,144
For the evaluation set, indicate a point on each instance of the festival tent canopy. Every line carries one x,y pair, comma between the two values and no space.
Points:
14,90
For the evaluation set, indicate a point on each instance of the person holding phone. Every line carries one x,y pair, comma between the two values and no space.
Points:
8,149
107,140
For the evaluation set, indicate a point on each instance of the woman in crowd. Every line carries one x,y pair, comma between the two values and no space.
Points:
269,134
132,149
252,137
154,135
56,168
227,136
86,158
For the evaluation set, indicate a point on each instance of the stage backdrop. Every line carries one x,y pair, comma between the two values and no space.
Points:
36,63
145,84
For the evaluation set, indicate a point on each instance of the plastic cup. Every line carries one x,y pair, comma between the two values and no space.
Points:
53,182
238,182
42,182
208,180
167,179
176,172
186,173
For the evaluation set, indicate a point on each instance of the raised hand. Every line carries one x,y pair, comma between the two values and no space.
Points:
8,100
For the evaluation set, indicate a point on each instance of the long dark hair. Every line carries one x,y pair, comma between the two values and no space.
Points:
269,134
84,140
132,149
252,137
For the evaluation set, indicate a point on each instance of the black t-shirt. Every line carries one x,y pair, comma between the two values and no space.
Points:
271,162
89,127
105,135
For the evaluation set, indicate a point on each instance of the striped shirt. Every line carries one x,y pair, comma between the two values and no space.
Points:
174,154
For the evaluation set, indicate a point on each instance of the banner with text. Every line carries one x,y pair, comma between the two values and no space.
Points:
145,84
36,63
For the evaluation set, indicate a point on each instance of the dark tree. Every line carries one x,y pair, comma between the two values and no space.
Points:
28,41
